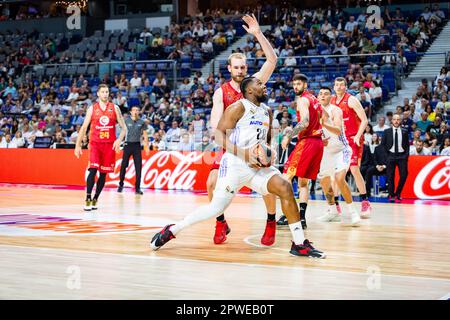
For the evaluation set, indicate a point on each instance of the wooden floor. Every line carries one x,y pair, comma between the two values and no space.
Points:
50,249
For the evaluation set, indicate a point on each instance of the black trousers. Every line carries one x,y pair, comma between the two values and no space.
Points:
131,149
402,164
370,172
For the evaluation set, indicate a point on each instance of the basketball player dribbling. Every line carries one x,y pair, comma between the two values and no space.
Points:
335,161
355,122
243,127
223,97
103,145
304,160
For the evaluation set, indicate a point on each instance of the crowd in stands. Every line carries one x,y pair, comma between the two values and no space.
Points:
425,116
178,118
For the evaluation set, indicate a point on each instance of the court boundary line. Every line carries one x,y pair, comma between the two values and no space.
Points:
153,257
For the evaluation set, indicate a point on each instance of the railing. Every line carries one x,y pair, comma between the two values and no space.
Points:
71,70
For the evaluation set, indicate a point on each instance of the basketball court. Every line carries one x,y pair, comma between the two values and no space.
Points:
51,249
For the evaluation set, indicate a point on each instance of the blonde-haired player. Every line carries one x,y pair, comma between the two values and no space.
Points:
225,96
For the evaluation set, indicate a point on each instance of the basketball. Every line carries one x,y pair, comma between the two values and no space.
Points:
265,154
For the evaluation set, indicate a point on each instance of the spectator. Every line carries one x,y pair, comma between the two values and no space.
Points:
121,101
381,126
431,141
7,143
135,81
444,150
173,136
185,144
443,74
74,135
368,134
424,122
351,24
419,149
158,143
18,139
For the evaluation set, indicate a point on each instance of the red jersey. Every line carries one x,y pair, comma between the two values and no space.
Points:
314,129
351,119
229,95
103,123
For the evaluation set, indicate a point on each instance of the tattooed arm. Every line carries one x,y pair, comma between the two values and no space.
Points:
303,108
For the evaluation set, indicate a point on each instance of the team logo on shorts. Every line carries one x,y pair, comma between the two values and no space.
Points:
104,120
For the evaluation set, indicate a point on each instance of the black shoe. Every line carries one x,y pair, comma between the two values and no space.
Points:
119,189
391,199
139,191
162,237
303,222
306,250
282,221
398,198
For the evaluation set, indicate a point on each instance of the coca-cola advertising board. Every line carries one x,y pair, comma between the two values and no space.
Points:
428,177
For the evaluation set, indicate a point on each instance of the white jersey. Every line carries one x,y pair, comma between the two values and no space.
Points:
336,143
253,127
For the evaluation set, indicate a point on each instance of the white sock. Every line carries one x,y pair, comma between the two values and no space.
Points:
297,233
213,209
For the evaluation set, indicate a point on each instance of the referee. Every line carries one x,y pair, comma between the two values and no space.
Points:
135,128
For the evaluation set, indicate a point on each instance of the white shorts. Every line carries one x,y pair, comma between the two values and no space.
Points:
334,162
234,173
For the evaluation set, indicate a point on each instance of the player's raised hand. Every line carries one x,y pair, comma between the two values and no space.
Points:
253,25
78,152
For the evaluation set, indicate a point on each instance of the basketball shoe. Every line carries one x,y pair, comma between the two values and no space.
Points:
330,216
306,250
366,209
282,221
222,229
162,237
94,204
268,237
88,205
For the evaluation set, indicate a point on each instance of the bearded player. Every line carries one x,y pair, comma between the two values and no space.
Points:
355,122
223,97
304,160
103,145
245,126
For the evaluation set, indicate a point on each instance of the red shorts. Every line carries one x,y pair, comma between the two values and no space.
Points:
356,151
304,160
102,156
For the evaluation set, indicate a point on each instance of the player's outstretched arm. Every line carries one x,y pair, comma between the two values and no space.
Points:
354,103
78,152
271,57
